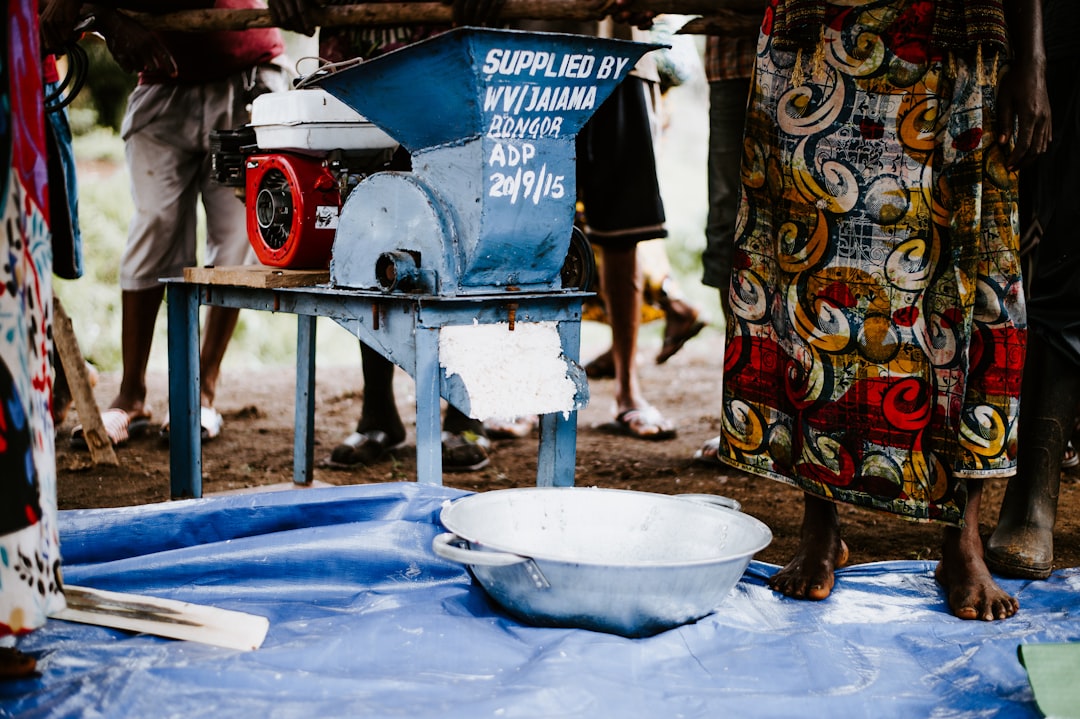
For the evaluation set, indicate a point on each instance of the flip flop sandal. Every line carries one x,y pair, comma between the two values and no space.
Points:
465,451
603,367
642,423
517,428
675,343
1070,458
210,422
361,449
119,427
709,454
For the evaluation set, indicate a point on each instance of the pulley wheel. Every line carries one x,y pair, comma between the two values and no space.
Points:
579,267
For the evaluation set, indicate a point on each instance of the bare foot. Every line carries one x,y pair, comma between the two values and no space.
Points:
134,406
810,573
14,664
971,591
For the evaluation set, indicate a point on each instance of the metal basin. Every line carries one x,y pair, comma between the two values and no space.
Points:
629,563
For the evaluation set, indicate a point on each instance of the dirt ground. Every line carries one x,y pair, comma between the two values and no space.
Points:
255,451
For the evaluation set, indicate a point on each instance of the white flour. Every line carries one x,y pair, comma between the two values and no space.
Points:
509,373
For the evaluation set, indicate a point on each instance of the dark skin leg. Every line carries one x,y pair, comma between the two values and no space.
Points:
379,410
621,285
139,310
216,333
962,573
810,573
14,664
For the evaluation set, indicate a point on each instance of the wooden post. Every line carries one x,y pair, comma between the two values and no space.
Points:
101,449
433,13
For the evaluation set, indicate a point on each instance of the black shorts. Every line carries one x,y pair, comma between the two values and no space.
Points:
616,170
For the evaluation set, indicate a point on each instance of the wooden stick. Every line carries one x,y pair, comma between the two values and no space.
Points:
164,618
97,440
430,13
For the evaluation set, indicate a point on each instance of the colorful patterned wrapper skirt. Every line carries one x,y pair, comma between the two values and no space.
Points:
30,586
877,335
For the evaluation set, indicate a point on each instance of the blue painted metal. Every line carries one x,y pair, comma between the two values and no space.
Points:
490,118
185,457
404,329
476,232
304,407
428,410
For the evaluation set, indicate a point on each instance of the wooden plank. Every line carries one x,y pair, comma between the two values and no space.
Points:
164,618
724,23
257,276
441,13
78,379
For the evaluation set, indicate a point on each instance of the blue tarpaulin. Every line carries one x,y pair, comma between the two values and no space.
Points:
366,621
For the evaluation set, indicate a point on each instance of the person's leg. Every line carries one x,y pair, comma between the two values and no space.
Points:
161,233
661,291
1022,544
465,444
15,664
379,409
217,330
727,112
621,285
971,592
379,429
810,573
138,311
682,321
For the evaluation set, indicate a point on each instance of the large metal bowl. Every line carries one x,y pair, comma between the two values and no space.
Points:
629,563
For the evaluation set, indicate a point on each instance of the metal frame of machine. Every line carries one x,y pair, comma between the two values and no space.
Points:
480,232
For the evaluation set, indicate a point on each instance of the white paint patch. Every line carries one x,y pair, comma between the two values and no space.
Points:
509,373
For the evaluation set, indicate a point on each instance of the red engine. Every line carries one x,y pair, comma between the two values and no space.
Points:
292,210
299,158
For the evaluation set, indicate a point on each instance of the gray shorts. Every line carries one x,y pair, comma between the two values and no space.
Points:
166,133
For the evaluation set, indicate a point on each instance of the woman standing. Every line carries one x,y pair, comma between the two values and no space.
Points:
30,586
877,280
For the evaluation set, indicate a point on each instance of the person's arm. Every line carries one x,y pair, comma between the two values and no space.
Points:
58,19
1023,105
642,20
134,48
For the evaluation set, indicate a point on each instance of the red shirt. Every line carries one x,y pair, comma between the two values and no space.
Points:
209,56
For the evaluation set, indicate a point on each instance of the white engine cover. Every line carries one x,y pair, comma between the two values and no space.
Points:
313,120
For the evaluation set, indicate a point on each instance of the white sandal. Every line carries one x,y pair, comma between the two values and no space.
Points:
210,420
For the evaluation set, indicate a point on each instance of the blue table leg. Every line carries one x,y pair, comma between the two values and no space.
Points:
557,458
185,440
304,420
428,424
556,462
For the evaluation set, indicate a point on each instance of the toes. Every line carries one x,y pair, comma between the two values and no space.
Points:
842,555
797,586
966,613
819,591
1007,607
985,608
